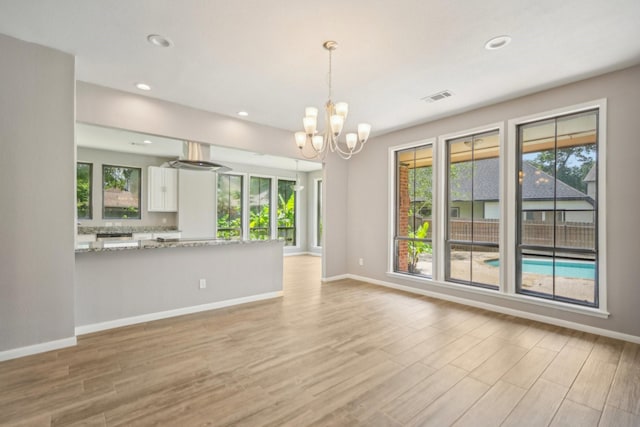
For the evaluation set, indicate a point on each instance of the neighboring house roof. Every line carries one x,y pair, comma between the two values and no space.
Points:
537,185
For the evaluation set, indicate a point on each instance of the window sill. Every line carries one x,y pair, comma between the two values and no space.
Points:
588,311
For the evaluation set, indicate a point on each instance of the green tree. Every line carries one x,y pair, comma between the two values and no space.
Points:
569,165
418,247
83,190
420,189
259,223
117,177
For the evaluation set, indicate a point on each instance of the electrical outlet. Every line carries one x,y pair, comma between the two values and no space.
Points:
108,224
164,220
118,224
203,283
361,261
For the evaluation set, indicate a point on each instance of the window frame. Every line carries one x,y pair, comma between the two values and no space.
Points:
243,204
90,217
393,215
271,179
406,238
140,186
296,218
600,307
444,142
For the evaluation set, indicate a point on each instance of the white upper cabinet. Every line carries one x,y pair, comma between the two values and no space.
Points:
163,189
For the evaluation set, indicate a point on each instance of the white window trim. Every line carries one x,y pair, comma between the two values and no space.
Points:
314,215
506,289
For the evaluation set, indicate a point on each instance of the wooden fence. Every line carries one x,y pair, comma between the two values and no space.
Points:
568,234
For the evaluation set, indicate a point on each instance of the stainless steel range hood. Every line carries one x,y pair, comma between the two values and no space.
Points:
197,156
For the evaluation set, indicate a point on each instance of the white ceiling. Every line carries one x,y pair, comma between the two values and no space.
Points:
124,141
265,57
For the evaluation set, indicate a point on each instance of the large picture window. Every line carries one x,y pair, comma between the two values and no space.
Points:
84,182
413,249
287,212
121,192
259,208
229,223
557,245
473,200
516,221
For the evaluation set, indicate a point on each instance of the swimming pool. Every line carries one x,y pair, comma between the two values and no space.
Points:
577,269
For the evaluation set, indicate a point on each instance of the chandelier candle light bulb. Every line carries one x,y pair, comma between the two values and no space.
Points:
335,117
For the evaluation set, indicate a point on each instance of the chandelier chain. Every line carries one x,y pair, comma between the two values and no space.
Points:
330,88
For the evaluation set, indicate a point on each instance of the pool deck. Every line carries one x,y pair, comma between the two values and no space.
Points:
566,287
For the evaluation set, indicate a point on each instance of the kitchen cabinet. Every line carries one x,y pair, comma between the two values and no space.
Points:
163,189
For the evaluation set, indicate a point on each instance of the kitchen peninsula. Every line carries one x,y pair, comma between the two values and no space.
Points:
125,282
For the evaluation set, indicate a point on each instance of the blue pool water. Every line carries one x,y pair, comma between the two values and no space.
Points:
578,270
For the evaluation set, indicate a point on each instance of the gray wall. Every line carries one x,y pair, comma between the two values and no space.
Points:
368,187
120,284
100,157
336,182
108,107
36,189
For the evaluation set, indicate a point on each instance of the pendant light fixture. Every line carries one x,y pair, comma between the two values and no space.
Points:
335,116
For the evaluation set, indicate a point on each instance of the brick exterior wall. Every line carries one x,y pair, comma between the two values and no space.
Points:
404,204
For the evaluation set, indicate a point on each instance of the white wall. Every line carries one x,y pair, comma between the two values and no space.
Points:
368,205
37,195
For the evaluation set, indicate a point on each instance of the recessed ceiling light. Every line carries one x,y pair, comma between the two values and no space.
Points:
143,86
158,40
243,113
146,141
497,42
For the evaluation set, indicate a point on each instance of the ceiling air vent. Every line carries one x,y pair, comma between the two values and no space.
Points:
438,96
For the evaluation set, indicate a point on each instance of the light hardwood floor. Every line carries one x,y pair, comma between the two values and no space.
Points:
338,354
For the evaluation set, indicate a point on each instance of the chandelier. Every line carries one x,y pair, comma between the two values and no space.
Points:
335,116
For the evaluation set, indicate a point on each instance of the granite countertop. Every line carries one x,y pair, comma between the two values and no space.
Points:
122,245
127,229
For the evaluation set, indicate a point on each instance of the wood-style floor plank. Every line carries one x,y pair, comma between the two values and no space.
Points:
538,406
574,414
493,407
344,353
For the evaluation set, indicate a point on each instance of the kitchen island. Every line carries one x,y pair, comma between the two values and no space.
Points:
120,283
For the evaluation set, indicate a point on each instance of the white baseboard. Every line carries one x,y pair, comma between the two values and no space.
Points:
37,348
339,277
498,309
302,253
96,327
